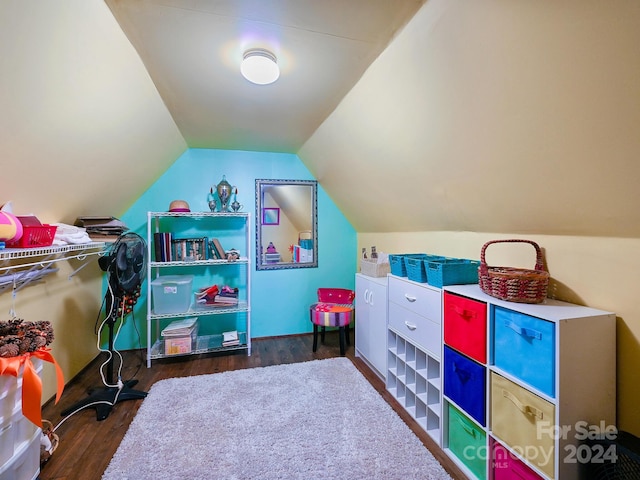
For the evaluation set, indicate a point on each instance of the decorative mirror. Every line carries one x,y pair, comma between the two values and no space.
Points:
287,224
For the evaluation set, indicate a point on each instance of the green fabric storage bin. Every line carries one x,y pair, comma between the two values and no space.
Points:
468,442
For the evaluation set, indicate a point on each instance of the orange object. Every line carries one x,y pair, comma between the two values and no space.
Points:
31,382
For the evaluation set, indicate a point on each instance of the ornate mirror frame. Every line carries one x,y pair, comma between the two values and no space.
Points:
294,235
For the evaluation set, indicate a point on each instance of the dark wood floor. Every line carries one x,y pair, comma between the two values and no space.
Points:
87,445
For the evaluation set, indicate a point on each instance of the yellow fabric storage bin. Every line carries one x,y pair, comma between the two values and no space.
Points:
523,420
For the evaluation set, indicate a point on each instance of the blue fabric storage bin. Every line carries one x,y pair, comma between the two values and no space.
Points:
464,383
524,347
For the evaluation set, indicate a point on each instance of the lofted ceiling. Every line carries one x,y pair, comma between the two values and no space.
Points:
192,50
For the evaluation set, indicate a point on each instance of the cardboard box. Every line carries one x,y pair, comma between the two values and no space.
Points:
181,345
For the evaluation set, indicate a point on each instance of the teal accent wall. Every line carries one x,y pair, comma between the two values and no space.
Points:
280,298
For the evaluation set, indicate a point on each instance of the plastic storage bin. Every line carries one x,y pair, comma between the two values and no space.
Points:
25,463
15,428
172,293
35,236
14,431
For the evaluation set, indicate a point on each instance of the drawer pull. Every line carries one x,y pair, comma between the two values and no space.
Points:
522,331
410,298
464,313
410,326
471,431
526,409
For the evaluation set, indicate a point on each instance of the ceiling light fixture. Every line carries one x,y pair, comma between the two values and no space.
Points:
260,66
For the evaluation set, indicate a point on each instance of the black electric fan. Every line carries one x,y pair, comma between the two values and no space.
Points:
125,264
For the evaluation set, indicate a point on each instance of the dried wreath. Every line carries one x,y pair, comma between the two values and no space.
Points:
18,336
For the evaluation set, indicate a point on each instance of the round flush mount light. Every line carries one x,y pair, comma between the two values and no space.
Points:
260,66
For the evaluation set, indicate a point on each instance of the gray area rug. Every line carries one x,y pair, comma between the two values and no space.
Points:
317,419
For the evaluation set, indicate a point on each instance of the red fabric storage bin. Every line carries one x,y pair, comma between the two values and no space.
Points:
465,326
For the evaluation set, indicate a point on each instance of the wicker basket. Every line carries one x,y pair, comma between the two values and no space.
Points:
514,284
54,440
371,268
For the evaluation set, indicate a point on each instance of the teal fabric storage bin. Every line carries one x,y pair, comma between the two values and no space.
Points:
451,271
524,347
416,266
464,383
468,442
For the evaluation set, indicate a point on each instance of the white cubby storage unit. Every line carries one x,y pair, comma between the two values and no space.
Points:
414,351
522,382
232,230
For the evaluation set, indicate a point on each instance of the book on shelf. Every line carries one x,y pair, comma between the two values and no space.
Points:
211,250
189,249
222,300
230,338
162,246
220,253
180,328
101,227
213,296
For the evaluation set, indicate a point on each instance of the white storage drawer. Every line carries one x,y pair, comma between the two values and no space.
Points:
417,329
420,298
25,464
14,431
11,391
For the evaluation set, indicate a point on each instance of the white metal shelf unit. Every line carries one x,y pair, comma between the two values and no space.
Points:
21,266
207,343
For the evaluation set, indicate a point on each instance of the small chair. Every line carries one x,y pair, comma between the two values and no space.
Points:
334,309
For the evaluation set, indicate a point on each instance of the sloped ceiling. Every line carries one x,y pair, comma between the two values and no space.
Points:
192,50
493,116
83,130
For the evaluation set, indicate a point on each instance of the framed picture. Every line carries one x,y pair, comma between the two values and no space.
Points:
270,216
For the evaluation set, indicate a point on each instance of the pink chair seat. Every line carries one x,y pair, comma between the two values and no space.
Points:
334,309
331,315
